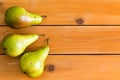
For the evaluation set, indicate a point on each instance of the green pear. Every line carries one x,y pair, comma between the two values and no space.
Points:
15,44
32,63
18,17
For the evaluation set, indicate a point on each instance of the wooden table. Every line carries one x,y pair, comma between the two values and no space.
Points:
84,39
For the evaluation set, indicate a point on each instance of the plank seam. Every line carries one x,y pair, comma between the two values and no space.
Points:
68,25
80,54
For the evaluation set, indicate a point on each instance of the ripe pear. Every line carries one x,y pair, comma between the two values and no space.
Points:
18,17
32,63
15,44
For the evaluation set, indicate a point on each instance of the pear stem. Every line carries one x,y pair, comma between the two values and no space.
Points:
46,41
43,16
41,34
2,54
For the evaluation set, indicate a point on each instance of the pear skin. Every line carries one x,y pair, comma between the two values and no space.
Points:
37,73
18,17
15,44
32,63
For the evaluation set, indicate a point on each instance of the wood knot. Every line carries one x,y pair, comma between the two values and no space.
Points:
80,21
50,68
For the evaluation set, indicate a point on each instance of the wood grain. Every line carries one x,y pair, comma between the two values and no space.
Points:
73,39
66,68
70,43
66,12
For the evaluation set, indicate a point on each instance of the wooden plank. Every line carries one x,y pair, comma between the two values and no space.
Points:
73,39
66,68
66,12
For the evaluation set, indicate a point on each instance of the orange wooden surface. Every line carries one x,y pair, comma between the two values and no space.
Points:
66,12
71,67
71,46
73,39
